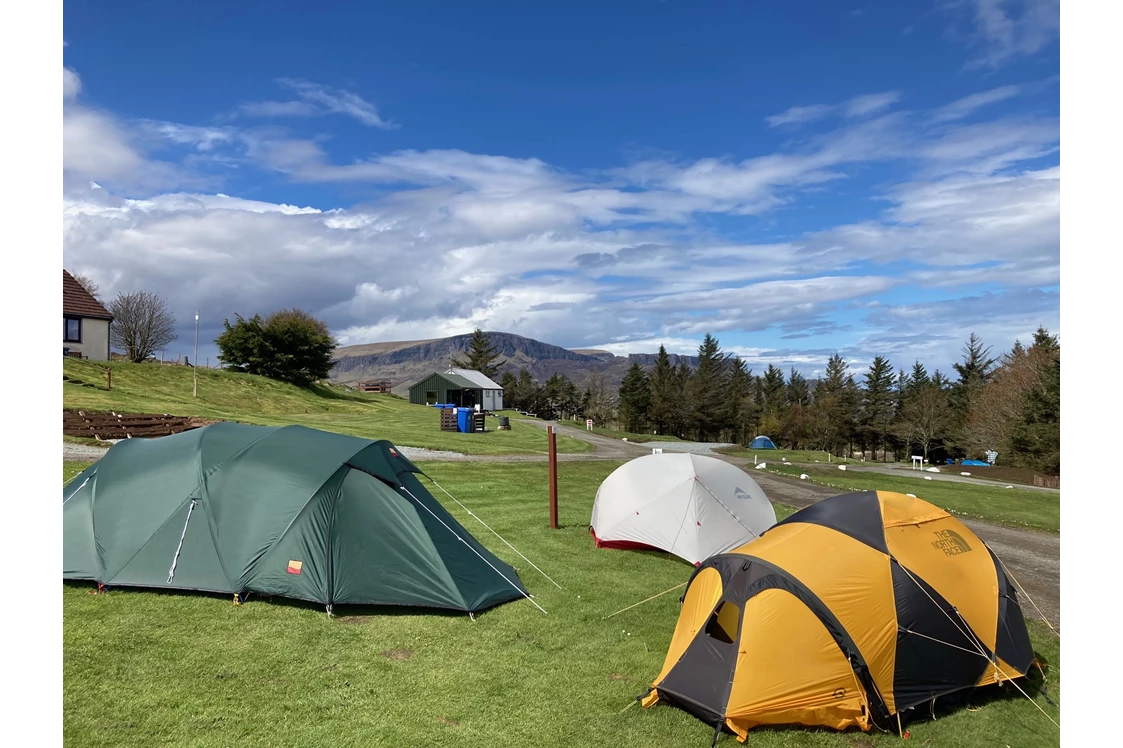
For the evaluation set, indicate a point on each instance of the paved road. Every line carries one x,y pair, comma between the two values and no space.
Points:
1033,558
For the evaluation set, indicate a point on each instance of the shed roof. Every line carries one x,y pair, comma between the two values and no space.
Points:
465,379
477,378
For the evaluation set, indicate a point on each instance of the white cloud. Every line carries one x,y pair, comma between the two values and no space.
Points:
317,99
969,104
859,106
987,147
1005,29
279,109
962,220
459,240
71,84
202,138
797,115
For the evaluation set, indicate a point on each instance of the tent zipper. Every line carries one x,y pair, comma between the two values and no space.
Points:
175,558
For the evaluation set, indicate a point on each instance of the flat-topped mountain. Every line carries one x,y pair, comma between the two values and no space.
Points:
409,361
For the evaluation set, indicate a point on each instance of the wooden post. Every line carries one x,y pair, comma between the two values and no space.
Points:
108,379
553,439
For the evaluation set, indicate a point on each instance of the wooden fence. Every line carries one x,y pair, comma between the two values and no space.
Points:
109,425
1047,481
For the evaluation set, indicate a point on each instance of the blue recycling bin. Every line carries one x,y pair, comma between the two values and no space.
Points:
464,420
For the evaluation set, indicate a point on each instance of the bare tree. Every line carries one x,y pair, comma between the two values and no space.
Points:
925,417
142,324
89,284
600,405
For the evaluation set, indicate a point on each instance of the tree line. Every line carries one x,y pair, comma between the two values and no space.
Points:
1009,404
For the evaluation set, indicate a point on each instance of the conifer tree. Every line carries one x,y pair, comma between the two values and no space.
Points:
664,393
635,400
878,401
481,356
708,388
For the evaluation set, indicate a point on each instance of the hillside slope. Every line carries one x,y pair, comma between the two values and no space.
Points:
155,388
406,362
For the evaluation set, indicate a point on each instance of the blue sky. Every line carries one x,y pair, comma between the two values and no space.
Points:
797,178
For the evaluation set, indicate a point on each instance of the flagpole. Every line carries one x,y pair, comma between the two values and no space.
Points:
195,366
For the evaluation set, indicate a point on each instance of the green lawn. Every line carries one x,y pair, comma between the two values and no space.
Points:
809,456
149,668
151,388
1017,507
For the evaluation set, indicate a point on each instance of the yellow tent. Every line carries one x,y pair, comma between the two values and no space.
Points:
846,613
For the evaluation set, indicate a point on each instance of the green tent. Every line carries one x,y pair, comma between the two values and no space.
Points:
287,511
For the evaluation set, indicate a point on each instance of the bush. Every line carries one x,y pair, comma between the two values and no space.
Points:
290,345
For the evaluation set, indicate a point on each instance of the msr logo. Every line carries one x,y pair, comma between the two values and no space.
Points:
950,542
739,493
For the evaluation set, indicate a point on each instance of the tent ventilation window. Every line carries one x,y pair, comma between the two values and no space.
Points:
723,623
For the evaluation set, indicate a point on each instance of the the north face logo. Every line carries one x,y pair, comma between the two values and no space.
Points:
950,542
739,493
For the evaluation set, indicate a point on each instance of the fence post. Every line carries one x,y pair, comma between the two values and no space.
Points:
553,440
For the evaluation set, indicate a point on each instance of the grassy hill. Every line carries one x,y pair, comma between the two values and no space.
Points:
153,388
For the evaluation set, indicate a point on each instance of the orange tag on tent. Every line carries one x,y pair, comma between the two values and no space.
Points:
295,567
393,451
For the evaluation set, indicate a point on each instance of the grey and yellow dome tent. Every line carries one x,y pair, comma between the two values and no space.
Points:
287,511
848,612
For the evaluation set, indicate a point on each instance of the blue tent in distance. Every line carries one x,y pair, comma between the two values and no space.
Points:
762,442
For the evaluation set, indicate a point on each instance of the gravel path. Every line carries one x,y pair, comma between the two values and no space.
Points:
947,473
698,448
82,452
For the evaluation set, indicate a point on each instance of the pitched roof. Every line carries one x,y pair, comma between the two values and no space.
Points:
79,302
476,378
455,379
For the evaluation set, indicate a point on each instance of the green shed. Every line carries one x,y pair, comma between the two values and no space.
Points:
287,511
464,388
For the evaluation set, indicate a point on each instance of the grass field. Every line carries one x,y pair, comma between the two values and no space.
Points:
1016,507
150,668
151,388
809,456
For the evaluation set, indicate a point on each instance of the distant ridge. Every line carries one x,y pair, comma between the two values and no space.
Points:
409,361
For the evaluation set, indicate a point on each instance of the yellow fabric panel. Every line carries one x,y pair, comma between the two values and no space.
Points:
790,670
697,605
776,534
899,509
953,561
727,619
853,581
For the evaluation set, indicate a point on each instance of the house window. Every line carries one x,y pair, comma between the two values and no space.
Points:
71,330
430,397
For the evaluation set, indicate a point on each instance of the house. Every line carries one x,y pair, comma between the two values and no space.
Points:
462,387
85,322
380,386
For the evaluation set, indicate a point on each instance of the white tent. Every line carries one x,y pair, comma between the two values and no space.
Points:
686,504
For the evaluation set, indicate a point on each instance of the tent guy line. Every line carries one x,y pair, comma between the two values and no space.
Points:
465,542
478,519
641,602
